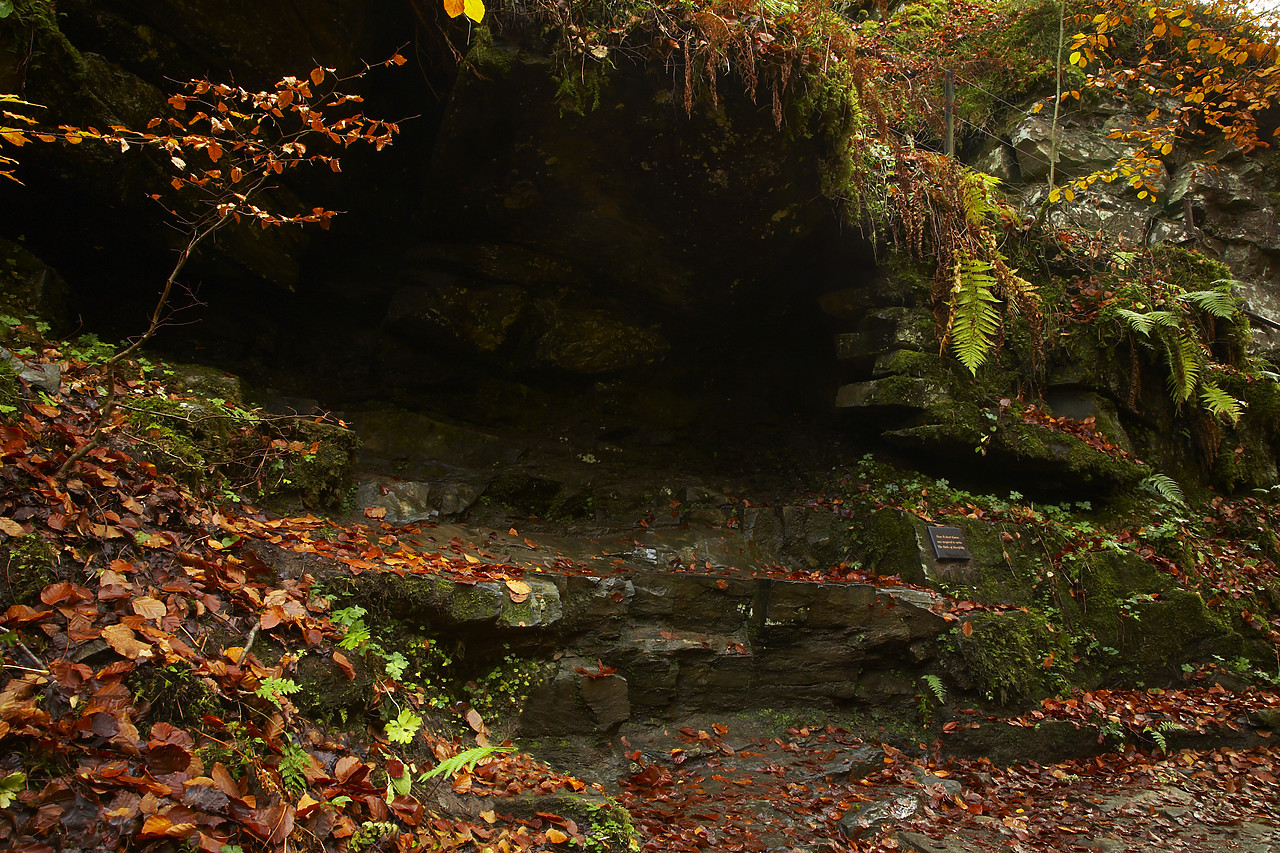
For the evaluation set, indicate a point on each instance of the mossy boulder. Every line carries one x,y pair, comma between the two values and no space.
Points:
181,437
314,468
1013,656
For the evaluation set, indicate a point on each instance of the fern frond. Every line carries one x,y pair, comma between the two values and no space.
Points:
1165,487
1219,303
465,760
1221,404
1186,359
974,320
1143,324
935,684
975,190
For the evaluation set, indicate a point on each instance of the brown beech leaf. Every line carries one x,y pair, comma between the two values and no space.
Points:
150,608
475,720
120,638
164,825
345,665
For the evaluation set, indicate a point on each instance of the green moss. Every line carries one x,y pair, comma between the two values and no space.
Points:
29,565
172,694
181,438
1006,655
318,475
485,57
10,391
609,828
1189,269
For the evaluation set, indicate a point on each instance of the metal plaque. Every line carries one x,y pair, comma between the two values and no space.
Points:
948,543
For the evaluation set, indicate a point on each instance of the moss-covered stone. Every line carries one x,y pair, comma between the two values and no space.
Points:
180,437
27,565
1173,629
314,466
1013,656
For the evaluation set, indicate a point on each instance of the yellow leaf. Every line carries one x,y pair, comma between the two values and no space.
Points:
1167,148
555,836
1075,58
453,8
1055,195
13,137
474,9
1069,193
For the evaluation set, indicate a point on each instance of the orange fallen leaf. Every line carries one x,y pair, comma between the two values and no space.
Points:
555,836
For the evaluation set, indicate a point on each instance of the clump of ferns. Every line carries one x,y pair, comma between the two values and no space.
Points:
952,214
1181,328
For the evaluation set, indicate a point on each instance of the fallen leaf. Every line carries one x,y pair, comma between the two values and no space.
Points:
475,720
120,638
150,608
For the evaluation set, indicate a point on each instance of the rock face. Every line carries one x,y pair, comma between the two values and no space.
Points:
674,210
686,643
1219,202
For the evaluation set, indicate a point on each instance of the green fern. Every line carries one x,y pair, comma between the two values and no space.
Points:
1143,323
1157,733
975,192
935,684
1221,404
974,320
1165,487
1186,360
465,760
1219,303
